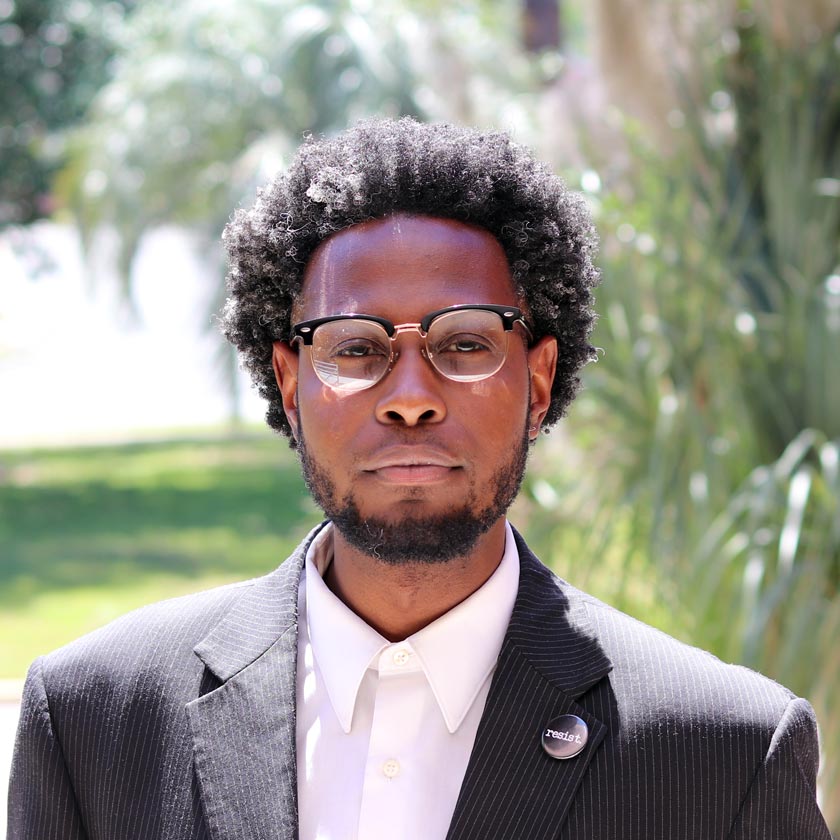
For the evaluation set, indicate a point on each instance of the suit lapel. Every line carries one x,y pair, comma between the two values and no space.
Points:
549,658
244,739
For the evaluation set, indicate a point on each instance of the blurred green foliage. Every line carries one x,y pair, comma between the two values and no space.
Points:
54,57
87,534
264,73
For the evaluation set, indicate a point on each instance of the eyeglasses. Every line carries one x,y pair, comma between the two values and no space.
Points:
464,343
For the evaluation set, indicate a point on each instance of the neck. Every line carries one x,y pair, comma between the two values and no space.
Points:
398,600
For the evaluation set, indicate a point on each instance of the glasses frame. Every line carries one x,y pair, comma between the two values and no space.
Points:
304,331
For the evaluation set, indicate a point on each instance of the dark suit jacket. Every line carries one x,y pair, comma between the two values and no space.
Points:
178,721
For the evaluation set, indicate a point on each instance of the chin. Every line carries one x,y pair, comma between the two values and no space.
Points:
428,538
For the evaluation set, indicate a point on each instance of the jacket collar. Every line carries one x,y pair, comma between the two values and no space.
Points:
550,627
267,609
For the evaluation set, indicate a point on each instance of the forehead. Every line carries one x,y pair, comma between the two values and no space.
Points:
402,267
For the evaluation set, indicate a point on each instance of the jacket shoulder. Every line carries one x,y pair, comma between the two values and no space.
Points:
651,666
148,641
651,675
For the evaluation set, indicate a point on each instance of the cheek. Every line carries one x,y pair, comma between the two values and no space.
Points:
498,404
326,414
487,389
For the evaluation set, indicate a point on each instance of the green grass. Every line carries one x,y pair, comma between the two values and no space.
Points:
89,533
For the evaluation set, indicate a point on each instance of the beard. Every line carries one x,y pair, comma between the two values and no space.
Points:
429,539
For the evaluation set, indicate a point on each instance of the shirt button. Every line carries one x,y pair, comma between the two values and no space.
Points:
391,768
401,657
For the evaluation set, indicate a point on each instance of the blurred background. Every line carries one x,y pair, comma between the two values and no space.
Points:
696,481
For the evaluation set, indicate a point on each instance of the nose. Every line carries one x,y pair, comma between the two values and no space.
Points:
411,392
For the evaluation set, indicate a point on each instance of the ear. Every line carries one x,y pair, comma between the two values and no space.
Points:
284,360
542,364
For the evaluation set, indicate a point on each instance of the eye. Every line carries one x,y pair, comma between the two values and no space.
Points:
357,349
463,344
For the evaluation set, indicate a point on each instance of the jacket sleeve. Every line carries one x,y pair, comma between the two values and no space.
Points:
42,805
781,803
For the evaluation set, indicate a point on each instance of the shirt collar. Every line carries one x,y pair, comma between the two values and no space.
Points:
458,651
343,645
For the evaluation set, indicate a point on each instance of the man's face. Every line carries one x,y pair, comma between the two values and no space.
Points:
417,466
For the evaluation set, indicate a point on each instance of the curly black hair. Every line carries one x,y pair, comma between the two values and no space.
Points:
381,167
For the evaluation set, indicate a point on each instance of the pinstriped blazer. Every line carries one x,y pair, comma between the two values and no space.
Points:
178,722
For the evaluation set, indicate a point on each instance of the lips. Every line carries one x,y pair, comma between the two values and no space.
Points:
411,464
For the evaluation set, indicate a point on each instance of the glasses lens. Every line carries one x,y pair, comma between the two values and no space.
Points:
467,345
350,354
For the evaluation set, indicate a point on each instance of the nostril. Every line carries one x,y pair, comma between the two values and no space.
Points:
427,416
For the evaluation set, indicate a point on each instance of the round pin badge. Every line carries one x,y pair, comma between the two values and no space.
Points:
565,736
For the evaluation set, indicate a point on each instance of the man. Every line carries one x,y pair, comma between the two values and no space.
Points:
414,302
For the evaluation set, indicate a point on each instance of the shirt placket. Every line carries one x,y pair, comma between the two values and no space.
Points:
390,775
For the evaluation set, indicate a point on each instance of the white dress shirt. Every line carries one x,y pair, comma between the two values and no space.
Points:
385,731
